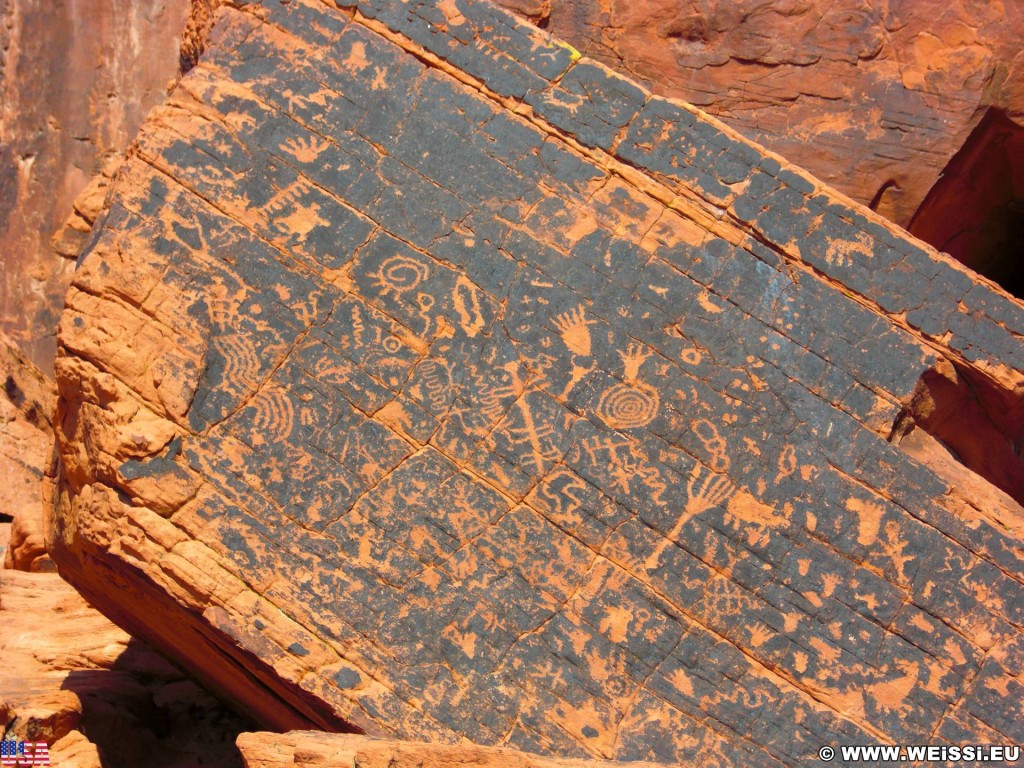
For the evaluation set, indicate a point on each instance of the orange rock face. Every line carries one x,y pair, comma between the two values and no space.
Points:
76,80
872,97
71,679
27,403
274,750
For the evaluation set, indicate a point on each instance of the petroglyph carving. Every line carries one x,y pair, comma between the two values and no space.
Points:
469,306
841,253
634,357
745,511
301,102
869,519
787,463
574,330
494,389
724,599
627,407
305,149
399,274
291,215
713,443
437,382
631,404
538,439
274,416
703,493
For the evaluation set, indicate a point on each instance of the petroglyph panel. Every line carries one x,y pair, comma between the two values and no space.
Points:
426,379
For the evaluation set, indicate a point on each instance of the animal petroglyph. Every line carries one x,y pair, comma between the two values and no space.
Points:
291,214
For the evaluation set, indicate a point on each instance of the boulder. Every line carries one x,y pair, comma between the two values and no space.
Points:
278,750
873,98
95,696
427,379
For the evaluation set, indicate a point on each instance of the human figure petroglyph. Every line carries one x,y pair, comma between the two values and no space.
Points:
724,599
622,460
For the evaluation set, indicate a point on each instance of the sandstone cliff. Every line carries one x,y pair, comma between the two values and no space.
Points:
76,80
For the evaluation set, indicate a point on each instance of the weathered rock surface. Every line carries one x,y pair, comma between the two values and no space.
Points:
76,81
427,379
72,679
277,750
27,404
872,97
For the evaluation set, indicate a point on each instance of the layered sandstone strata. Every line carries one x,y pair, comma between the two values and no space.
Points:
872,97
428,379
76,80
96,697
27,404
274,750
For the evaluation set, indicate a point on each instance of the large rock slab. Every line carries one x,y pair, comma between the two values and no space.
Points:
428,379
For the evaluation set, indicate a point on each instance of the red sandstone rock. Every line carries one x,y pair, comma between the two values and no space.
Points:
871,97
77,80
427,379
279,750
66,672
27,403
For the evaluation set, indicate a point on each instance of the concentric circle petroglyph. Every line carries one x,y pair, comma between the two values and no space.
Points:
625,406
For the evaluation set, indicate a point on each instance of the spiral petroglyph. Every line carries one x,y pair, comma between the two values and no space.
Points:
398,274
628,406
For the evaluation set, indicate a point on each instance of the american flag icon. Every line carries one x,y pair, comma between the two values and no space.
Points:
24,753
